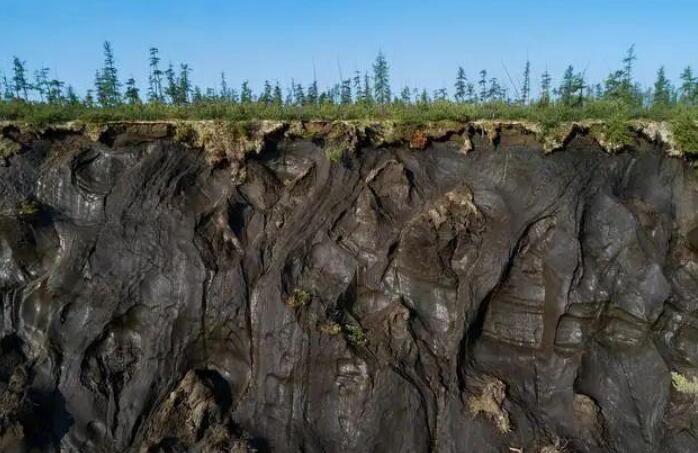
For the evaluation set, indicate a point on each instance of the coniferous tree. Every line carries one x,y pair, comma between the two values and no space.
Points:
107,80
155,76
406,95
54,91
367,98
71,97
19,79
172,88
470,95
345,92
526,86
461,85
184,88
225,91
245,93
41,82
545,86
381,79
313,96
278,97
89,98
689,87
356,81
266,96
132,93
6,88
483,85
440,95
197,95
662,90
628,64
424,97
571,89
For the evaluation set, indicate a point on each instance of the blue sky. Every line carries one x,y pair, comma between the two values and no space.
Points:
425,41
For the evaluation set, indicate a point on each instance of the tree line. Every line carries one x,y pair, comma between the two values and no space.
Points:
173,85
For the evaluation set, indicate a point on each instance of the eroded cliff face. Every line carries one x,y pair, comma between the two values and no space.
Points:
313,287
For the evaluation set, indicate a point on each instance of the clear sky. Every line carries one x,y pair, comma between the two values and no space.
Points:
424,40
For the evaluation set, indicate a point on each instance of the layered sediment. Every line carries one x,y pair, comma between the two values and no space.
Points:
347,286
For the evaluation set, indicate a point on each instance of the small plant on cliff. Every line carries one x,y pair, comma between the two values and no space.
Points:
355,334
27,208
683,384
333,153
299,298
330,328
489,403
685,132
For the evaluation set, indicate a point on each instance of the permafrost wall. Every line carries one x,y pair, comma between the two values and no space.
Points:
318,287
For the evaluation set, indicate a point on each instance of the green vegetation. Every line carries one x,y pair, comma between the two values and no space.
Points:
299,298
355,334
685,132
684,384
27,208
171,94
333,153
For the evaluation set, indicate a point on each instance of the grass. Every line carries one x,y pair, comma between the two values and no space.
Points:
549,116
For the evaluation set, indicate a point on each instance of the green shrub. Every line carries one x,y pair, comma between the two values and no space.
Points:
685,132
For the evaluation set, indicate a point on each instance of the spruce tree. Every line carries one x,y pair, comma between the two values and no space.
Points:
358,91
266,96
662,90
155,76
107,80
6,88
345,92
299,96
545,85
41,82
461,85
313,96
19,79
71,97
440,95
526,86
381,79
367,98
132,93
278,97
54,91
171,90
224,90
184,87
245,93
483,85
689,87
406,95
567,87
